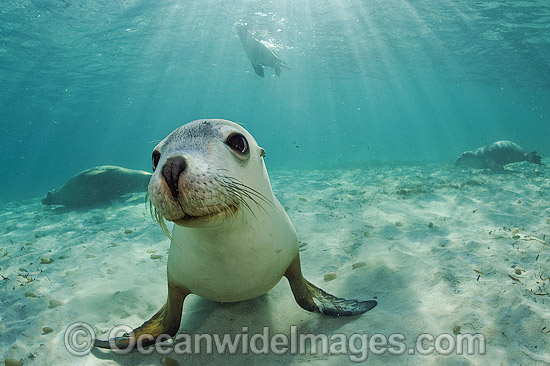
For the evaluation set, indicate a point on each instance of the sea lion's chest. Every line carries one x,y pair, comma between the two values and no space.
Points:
233,262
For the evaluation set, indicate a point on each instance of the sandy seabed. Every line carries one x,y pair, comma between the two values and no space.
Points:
444,251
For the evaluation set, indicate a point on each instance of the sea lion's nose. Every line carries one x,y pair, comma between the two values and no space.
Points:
171,171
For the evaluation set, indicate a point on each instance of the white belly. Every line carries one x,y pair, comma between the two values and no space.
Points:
239,260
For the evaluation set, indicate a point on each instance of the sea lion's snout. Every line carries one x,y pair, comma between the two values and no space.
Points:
47,200
465,158
171,171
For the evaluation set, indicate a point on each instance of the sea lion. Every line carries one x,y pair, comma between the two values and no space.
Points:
495,156
232,240
258,53
98,185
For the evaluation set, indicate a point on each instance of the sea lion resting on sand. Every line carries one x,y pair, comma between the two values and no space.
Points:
495,156
99,185
232,240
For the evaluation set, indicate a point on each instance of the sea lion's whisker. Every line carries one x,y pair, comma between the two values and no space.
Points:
243,190
252,191
247,206
250,195
157,216
249,190
237,196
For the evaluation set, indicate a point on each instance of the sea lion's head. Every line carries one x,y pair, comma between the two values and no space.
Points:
242,31
205,172
468,159
49,199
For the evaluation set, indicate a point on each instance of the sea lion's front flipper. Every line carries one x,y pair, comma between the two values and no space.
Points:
312,298
277,71
166,321
259,69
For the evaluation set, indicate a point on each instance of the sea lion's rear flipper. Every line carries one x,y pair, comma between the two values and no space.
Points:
166,322
313,299
284,65
532,157
259,70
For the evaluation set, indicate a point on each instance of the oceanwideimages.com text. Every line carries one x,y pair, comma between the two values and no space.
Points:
358,346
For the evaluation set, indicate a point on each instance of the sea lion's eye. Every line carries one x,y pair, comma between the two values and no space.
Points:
156,158
237,143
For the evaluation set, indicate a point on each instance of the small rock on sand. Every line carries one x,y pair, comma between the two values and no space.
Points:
55,303
358,264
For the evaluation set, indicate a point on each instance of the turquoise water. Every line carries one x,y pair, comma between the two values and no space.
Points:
100,82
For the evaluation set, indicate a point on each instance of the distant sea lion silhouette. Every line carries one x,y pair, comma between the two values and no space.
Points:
258,53
496,155
98,185
232,240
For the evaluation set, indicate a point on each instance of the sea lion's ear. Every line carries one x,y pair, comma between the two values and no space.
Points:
262,152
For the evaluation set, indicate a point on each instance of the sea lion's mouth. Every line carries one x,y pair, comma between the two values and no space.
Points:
203,205
215,212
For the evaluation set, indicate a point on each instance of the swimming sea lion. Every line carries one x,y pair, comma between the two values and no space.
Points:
232,240
496,155
258,53
98,185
